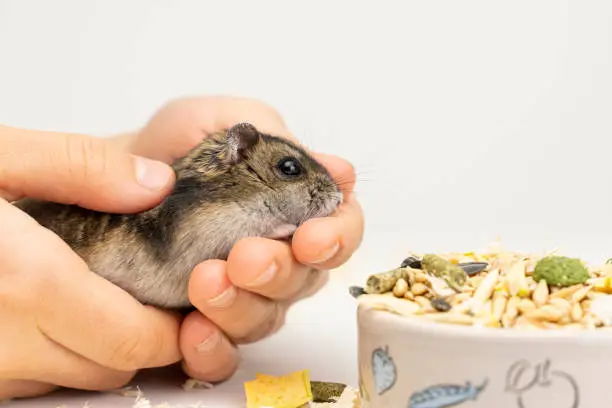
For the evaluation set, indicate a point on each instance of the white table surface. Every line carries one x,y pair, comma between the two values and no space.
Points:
313,338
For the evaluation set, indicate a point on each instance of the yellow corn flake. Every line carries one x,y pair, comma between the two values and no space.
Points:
289,391
524,292
603,285
492,322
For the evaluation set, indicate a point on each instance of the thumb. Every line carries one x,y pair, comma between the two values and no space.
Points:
79,169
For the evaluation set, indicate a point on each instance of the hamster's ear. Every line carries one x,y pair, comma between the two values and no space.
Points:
240,138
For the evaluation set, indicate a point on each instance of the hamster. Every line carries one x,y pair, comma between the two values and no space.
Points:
235,184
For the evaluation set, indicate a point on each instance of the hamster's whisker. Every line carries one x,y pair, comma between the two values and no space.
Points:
342,185
348,176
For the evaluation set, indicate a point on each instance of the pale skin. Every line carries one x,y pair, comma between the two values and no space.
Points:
63,325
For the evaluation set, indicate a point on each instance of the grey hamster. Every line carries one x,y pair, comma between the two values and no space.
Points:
236,183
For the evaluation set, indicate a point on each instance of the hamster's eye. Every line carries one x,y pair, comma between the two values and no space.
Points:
289,166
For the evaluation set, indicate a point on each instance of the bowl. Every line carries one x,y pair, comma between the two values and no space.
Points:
405,362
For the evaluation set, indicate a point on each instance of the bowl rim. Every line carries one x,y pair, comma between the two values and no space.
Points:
457,331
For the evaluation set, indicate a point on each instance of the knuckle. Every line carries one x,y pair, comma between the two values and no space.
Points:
290,284
132,353
86,156
261,329
316,280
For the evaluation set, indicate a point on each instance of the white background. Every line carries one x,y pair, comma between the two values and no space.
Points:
465,120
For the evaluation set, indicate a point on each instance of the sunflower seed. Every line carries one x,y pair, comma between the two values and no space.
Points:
440,305
411,262
356,291
473,268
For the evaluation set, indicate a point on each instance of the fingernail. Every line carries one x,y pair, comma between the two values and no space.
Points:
266,276
225,299
209,344
327,254
152,174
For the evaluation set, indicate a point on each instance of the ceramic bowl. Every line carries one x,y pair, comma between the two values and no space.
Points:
405,362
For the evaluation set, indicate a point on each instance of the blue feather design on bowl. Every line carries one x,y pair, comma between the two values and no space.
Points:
446,395
383,370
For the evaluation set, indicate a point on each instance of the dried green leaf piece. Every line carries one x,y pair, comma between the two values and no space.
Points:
385,281
323,391
453,275
560,271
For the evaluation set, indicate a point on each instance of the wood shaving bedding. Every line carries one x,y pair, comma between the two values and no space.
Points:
261,386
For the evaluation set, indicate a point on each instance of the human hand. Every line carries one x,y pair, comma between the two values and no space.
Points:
61,324
245,298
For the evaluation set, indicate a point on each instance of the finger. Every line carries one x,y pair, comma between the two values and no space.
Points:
62,367
207,354
268,267
329,242
10,389
320,280
78,169
134,336
177,127
76,304
53,363
244,316
341,170
326,243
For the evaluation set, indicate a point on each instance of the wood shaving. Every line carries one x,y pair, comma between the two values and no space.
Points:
142,402
192,383
128,391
